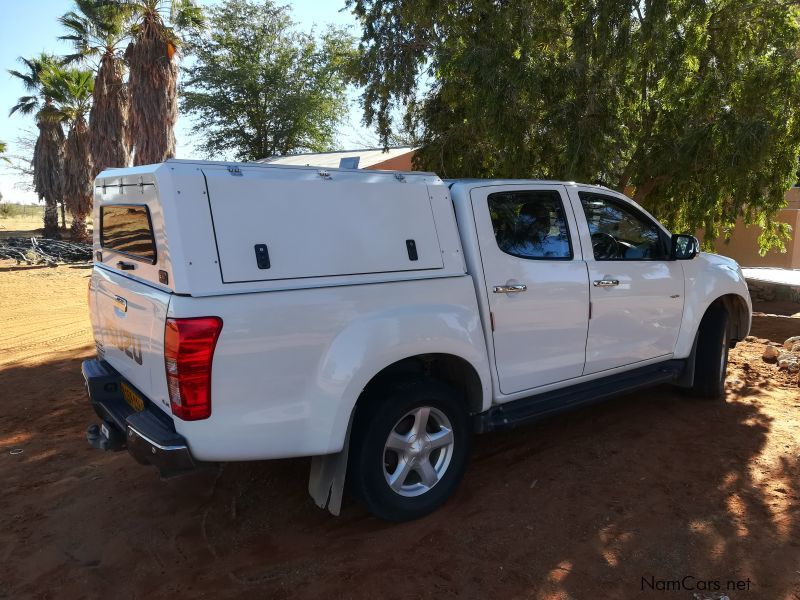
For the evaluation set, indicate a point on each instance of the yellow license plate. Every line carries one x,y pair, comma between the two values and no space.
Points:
132,398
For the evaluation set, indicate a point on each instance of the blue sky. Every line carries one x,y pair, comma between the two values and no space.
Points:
28,28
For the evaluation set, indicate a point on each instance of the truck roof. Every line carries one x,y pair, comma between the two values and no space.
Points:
426,177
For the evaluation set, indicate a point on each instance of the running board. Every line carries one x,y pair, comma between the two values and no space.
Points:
517,412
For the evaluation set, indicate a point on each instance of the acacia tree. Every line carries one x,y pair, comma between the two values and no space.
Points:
71,91
153,73
691,106
48,152
258,88
97,29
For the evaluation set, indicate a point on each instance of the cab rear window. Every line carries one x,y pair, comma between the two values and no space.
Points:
127,229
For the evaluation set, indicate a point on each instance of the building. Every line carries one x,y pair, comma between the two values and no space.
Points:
391,159
743,244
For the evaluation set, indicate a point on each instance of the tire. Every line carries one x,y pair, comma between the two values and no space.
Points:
385,448
711,362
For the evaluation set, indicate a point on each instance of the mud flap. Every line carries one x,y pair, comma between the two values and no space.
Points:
327,476
686,379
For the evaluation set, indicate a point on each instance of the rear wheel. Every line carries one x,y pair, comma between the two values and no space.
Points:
711,362
409,448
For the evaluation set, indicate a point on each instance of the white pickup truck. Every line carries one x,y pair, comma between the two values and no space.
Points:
375,320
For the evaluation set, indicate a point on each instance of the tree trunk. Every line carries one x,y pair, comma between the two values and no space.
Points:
152,89
108,118
63,214
78,231
51,220
48,169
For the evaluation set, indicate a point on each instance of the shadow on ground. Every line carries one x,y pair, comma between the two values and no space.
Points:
651,485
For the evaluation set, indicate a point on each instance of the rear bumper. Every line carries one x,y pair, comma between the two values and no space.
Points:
149,435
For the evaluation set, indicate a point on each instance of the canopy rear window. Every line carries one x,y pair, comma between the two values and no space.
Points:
127,229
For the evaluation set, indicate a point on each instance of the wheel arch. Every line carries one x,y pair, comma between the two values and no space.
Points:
713,281
738,315
454,370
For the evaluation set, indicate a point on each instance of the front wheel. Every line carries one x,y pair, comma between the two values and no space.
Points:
409,449
711,362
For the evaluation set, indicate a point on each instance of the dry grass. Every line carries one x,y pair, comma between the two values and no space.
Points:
30,224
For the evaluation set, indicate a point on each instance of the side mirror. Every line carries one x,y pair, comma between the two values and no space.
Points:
684,246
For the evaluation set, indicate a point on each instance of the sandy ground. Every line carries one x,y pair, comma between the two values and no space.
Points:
31,225
601,503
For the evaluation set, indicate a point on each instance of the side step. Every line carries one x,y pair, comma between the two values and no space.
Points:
526,410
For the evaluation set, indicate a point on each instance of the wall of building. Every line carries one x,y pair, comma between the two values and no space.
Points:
743,245
398,163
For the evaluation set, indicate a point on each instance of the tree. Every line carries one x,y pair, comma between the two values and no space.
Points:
97,29
71,90
260,89
691,106
3,151
153,74
48,152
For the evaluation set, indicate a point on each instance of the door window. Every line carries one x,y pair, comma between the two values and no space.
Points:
530,224
619,232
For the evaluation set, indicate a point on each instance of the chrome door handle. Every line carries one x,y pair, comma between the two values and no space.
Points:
507,289
606,282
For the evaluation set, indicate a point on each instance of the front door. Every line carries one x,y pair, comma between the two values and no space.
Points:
637,292
536,282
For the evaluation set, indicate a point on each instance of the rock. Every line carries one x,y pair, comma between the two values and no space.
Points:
751,338
770,354
789,362
795,348
795,339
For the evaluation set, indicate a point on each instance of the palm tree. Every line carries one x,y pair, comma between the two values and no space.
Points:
48,153
97,29
153,78
3,150
71,91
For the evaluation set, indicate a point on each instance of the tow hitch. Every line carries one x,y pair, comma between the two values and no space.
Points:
105,437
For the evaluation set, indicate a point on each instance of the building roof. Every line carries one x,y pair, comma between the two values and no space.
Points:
367,157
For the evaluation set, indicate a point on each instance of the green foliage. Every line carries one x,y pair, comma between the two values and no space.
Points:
259,89
689,105
96,27
31,79
3,150
172,16
70,90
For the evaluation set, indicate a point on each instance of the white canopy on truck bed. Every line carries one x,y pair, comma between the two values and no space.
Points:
204,228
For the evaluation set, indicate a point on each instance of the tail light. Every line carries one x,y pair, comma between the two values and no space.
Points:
188,351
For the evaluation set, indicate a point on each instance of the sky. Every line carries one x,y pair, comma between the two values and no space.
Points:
28,28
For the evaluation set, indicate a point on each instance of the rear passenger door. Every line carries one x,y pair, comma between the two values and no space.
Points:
536,282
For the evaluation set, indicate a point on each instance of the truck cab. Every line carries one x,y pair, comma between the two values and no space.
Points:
376,320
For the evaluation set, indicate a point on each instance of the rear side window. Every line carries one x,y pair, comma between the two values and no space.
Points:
530,224
127,229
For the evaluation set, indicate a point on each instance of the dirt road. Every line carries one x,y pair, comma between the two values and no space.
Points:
622,500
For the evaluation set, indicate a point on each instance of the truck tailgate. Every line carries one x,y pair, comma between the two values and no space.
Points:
128,319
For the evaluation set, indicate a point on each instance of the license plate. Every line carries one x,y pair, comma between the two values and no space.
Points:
132,398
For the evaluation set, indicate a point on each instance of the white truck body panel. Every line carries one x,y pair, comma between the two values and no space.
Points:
342,298
290,365
311,239
540,335
128,325
637,320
